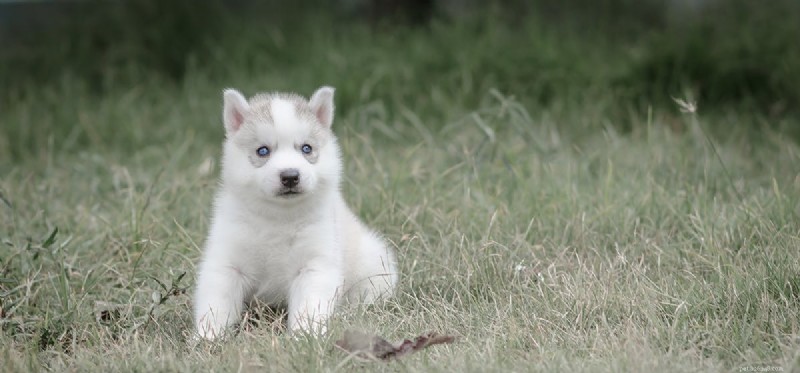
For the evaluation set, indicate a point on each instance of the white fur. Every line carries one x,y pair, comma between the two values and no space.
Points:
307,251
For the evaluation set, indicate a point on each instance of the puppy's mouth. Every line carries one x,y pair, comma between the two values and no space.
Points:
289,192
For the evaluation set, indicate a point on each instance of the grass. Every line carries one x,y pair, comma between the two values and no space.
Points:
545,222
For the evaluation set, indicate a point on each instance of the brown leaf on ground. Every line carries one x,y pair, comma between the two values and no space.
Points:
366,345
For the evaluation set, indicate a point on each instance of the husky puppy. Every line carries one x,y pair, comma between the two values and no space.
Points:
281,231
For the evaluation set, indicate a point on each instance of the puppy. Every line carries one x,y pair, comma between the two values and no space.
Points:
281,231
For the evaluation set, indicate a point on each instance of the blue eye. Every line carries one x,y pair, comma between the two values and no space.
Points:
262,151
306,149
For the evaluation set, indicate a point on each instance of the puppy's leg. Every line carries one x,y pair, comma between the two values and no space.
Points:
373,271
313,296
219,300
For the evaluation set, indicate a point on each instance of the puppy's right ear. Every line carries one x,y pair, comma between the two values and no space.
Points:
234,109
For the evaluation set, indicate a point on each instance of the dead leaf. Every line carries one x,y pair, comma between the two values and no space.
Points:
367,345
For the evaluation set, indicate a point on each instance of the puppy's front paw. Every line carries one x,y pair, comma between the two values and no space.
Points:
209,328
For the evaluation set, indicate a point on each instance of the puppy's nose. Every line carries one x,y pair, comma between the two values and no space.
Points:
290,177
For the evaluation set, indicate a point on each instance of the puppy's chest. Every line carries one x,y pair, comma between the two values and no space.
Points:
281,249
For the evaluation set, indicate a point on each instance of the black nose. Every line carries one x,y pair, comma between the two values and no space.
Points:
290,177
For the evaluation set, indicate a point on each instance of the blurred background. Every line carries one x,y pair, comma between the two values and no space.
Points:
631,55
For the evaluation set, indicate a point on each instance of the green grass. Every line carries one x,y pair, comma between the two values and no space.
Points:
535,215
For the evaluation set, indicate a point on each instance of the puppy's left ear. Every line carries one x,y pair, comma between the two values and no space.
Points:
321,103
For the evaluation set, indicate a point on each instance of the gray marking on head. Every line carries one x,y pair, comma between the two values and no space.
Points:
247,140
261,114
312,157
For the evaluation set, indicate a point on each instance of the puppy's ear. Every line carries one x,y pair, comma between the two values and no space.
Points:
234,109
321,103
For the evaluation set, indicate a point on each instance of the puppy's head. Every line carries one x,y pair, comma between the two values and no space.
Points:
280,146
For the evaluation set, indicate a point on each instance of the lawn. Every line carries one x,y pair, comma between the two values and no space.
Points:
539,214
